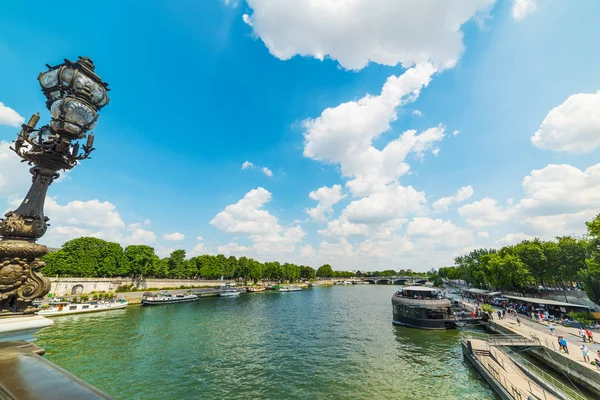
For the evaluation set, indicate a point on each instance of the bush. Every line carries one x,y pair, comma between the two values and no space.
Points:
126,288
486,308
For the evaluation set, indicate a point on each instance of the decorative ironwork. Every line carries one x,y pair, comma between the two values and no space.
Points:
74,96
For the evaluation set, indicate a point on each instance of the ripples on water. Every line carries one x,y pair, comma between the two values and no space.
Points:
322,343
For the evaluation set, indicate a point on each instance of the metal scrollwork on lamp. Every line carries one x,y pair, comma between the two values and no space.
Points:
74,96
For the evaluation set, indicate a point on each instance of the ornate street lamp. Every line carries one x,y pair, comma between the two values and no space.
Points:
74,96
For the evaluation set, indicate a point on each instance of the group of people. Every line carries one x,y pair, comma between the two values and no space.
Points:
586,335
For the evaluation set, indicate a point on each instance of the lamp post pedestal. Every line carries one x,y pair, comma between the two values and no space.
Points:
21,327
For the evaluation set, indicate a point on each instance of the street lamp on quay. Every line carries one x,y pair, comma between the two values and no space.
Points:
74,96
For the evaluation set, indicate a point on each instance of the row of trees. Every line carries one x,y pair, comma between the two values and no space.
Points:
523,266
92,257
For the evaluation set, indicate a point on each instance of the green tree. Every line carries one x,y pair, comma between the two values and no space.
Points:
590,276
325,271
142,260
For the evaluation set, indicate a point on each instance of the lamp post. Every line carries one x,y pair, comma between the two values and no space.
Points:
74,96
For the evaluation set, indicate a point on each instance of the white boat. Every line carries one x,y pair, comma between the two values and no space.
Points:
66,308
229,293
290,289
163,297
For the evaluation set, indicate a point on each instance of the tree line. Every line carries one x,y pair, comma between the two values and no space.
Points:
522,267
97,258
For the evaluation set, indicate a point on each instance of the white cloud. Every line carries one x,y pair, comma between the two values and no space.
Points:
438,234
267,171
455,132
307,251
484,212
199,238
15,178
521,8
91,218
10,117
341,248
394,202
327,198
573,126
175,236
248,217
483,235
442,204
559,199
355,32
513,238
342,227
417,113
344,134
247,165
197,250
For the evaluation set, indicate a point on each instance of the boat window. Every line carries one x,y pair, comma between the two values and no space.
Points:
72,307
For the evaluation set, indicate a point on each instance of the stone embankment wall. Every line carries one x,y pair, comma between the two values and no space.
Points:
572,296
69,286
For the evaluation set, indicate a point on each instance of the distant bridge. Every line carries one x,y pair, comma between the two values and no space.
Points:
396,280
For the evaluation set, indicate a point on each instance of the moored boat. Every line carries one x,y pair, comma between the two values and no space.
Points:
151,299
290,289
229,293
256,289
68,308
425,307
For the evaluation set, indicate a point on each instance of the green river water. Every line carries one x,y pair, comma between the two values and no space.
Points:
321,343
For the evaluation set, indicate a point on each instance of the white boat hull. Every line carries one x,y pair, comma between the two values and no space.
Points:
91,309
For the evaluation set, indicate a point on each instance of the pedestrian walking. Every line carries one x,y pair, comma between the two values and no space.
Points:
585,353
499,315
533,316
560,346
582,335
503,314
551,327
519,321
589,335
565,345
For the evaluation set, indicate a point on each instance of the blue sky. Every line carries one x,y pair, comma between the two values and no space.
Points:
199,88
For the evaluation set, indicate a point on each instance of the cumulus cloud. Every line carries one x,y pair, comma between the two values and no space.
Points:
462,194
438,234
248,217
249,165
175,236
572,127
513,238
92,218
521,8
307,251
10,117
485,212
327,198
354,33
15,178
559,199
267,171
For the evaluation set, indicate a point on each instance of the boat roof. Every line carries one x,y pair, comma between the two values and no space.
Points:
420,289
537,300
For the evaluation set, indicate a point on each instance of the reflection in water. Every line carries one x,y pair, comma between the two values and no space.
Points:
320,343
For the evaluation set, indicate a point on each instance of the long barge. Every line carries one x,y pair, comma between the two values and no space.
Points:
425,308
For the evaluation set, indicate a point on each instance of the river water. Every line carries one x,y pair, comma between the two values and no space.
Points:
321,343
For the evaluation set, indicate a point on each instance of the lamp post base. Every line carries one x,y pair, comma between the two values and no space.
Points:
21,327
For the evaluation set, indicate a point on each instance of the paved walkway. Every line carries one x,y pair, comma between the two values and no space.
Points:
529,328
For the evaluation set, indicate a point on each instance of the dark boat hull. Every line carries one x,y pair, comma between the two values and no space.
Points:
146,302
422,323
